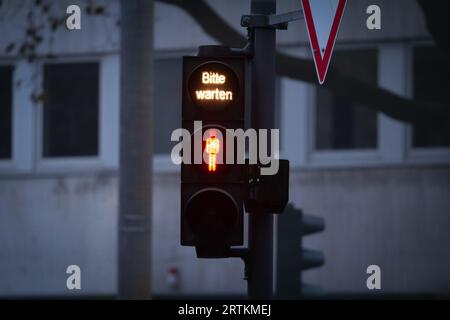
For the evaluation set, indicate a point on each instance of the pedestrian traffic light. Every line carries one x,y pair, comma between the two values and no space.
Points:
212,191
292,226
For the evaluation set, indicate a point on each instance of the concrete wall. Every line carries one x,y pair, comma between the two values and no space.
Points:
49,222
396,217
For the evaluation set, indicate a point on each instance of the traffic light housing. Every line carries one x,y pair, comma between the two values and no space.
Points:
292,258
212,192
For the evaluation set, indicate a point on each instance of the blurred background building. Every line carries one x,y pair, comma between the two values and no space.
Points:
382,186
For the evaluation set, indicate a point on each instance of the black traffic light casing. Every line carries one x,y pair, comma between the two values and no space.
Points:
270,193
292,258
212,201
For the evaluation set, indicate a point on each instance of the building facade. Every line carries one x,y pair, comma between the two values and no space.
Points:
382,186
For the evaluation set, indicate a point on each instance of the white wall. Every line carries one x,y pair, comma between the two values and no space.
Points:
51,221
395,217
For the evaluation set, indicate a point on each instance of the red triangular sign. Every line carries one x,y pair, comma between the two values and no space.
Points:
322,18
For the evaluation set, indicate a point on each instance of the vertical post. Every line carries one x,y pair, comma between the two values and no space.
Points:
136,142
260,282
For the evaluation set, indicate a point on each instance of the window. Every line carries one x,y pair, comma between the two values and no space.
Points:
71,110
5,112
340,123
167,109
431,72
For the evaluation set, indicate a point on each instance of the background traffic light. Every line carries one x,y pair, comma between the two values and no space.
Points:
292,258
212,192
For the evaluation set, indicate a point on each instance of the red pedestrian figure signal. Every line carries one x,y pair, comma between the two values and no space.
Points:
212,149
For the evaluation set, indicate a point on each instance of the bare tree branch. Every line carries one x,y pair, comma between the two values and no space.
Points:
342,85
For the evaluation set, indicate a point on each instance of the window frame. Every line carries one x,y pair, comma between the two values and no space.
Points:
394,137
108,126
417,155
340,157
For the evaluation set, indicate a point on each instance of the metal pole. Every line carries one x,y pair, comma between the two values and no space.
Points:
136,142
260,282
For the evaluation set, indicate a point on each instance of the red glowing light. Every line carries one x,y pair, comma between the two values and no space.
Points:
212,148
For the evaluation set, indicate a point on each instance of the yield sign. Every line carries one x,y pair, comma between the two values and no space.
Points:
323,18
